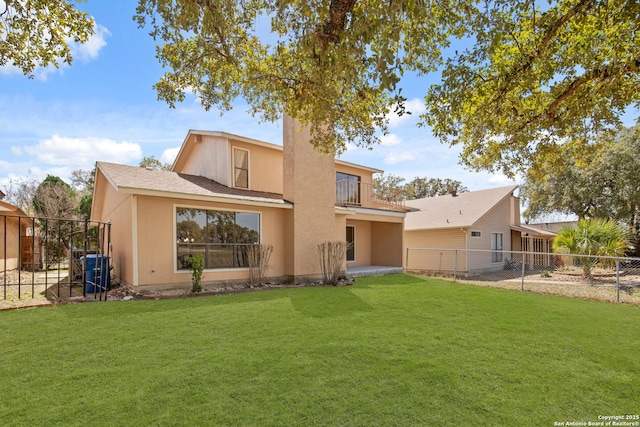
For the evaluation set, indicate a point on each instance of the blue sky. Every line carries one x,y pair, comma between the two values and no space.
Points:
103,108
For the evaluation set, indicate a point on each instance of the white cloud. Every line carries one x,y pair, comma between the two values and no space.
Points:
82,153
87,51
91,48
350,147
17,151
398,157
169,155
414,106
10,69
502,179
390,139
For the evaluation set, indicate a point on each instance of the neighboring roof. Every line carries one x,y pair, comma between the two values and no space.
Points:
552,226
8,209
462,210
532,231
137,180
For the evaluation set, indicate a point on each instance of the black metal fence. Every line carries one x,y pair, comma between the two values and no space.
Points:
54,258
586,276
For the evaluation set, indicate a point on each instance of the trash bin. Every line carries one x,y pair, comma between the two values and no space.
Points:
97,274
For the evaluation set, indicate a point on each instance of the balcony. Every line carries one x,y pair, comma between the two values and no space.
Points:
355,193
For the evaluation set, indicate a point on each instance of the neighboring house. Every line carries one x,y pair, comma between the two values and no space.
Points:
553,227
12,229
484,226
225,192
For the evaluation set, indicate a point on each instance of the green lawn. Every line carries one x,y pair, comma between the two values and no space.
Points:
392,350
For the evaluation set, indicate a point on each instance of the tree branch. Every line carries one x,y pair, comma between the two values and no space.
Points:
551,33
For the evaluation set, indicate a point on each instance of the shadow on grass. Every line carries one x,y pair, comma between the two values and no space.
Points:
328,302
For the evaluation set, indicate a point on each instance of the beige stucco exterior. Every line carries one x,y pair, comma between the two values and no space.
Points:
292,188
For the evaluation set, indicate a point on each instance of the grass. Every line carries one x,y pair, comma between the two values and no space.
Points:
393,350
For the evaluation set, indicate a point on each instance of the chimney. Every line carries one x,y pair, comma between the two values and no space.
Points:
454,193
310,184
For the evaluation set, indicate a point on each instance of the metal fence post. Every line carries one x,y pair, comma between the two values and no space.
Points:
617,279
406,260
524,259
455,265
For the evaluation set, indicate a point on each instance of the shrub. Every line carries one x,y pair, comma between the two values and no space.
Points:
258,259
332,255
197,267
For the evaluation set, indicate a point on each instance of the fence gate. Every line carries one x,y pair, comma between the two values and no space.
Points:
54,258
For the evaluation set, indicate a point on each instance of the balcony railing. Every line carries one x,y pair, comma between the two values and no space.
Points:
356,193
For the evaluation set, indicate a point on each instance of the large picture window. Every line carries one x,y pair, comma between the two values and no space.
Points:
347,189
221,237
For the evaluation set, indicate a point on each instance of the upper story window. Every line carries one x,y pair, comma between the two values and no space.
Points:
240,168
476,234
347,189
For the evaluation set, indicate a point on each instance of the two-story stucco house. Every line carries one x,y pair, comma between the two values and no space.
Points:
226,191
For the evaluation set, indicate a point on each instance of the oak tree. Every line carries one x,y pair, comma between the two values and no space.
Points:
419,188
391,187
597,181
518,77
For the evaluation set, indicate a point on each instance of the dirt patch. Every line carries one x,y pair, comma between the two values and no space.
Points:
601,287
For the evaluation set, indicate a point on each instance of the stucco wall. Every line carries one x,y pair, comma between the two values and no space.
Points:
386,243
309,182
117,209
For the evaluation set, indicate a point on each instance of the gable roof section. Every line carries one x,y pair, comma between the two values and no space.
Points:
137,180
460,211
185,148
8,209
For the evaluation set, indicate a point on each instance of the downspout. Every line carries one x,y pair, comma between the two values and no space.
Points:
134,237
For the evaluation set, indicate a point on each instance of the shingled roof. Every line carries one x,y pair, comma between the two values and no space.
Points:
454,211
137,180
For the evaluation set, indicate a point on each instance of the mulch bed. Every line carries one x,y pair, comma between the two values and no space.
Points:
60,293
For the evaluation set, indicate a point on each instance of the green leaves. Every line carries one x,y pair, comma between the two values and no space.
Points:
594,238
37,33
334,66
524,80
599,179
535,78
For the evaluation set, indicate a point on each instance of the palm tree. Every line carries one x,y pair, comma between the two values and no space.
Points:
592,238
